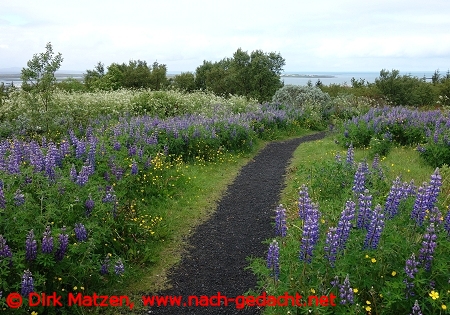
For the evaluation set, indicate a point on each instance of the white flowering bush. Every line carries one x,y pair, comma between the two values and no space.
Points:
21,114
173,102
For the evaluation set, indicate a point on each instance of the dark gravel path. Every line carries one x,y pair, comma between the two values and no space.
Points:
235,231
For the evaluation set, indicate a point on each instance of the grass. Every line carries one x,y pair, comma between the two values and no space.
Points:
401,161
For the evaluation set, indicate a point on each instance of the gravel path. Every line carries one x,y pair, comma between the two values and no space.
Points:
243,219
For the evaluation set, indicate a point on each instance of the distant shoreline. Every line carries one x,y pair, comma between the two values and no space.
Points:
310,76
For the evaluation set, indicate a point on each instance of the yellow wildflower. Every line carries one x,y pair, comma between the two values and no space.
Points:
434,295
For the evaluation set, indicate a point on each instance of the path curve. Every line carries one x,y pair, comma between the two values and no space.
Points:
242,221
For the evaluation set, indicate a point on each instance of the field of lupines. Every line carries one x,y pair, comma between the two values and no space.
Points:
381,128
386,252
77,213
380,246
21,113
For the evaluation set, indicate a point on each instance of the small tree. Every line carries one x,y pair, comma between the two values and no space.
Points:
39,78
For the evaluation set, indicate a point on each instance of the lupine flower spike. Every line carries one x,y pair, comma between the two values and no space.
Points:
280,221
410,270
346,292
273,259
30,247
27,283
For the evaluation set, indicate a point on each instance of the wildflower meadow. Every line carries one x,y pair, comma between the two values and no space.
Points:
355,229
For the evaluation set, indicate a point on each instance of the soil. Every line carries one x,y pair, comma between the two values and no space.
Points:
216,261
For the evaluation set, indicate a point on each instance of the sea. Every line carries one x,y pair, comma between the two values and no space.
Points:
342,78
293,78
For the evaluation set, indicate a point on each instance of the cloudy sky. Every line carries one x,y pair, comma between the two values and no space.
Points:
317,35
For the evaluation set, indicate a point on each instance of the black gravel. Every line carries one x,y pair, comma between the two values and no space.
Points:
242,221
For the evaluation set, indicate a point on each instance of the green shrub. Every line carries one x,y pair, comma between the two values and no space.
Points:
297,95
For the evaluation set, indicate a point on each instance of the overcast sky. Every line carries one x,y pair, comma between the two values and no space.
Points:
314,35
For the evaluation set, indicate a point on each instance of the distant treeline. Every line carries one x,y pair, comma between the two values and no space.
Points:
255,75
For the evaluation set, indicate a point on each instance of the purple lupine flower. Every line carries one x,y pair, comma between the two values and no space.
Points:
338,158
63,244
359,180
91,154
416,309
19,198
30,247
117,146
393,200
134,168
331,246
27,286
410,270
5,251
14,163
428,246
376,162
273,262
110,196
105,266
376,226
64,149
117,171
80,148
47,241
119,267
50,161
36,157
350,155
420,205
346,292
409,189
80,232
345,224
132,151
2,198
447,221
433,188
89,205
304,202
280,221
310,234
56,154
435,216
365,209
83,176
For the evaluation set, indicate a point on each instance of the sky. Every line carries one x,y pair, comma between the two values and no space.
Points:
312,36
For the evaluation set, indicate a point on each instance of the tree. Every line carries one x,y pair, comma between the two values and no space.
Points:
255,75
265,72
158,77
91,77
39,78
184,81
404,89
